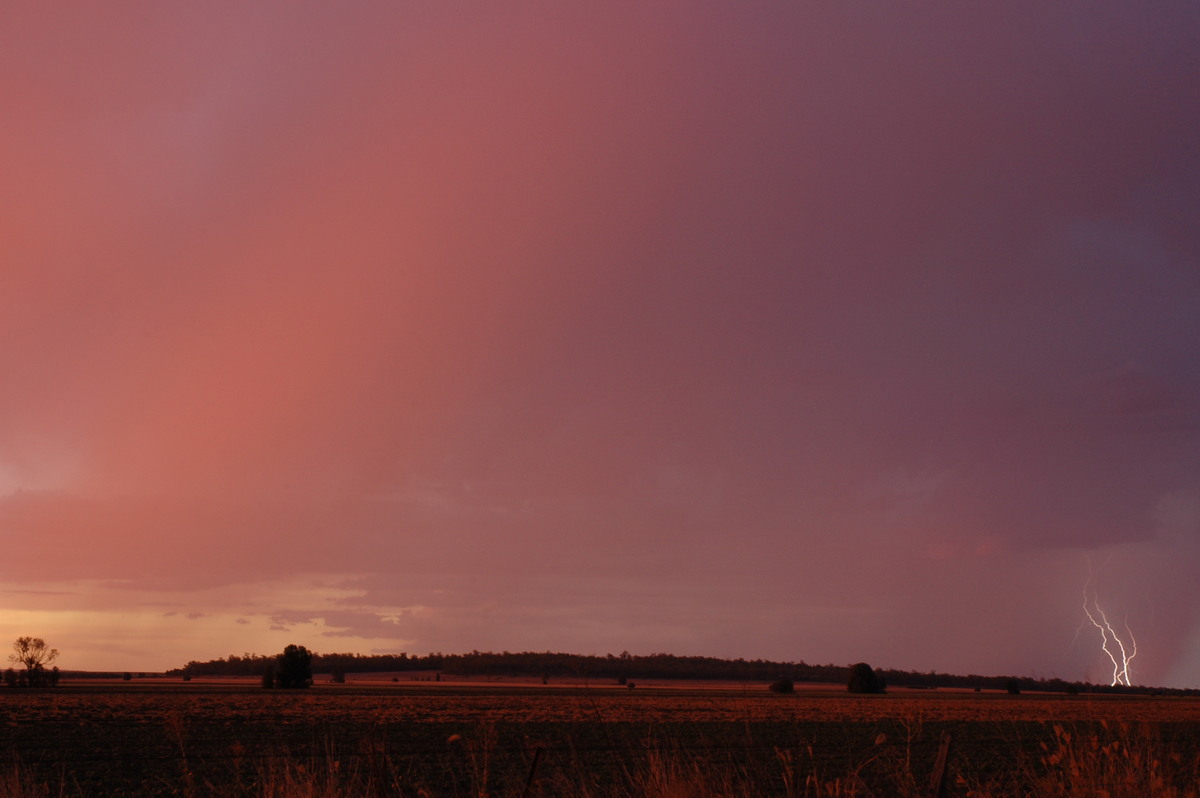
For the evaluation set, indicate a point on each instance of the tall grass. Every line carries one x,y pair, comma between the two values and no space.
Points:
1100,761
1122,761
1094,760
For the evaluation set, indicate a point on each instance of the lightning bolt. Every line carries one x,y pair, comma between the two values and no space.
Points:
1132,652
1115,648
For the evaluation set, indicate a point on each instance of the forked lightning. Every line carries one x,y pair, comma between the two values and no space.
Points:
1118,652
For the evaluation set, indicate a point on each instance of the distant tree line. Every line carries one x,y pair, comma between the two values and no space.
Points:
627,667
1014,684
535,664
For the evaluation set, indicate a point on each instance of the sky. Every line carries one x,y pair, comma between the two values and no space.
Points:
830,332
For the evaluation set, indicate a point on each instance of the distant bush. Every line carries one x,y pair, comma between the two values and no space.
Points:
294,668
863,679
1013,687
782,686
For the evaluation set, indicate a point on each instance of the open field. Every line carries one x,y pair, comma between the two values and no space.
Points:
457,739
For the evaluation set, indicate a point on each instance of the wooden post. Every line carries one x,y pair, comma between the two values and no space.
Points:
937,780
537,754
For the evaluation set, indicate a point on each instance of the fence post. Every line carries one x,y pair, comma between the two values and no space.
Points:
537,754
938,778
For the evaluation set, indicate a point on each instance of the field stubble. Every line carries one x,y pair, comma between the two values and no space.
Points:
498,741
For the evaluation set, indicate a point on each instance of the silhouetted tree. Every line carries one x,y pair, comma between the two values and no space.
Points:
268,676
863,679
32,654
294,667
1013,687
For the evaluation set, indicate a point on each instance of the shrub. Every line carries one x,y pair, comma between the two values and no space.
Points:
863,679
782,686
294,668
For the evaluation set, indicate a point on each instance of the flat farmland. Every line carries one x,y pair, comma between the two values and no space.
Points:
495,739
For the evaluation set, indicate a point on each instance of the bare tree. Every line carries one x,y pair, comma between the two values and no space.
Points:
32,654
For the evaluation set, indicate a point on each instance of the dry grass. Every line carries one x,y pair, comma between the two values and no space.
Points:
1123,761
643,746
1127,764
1104,761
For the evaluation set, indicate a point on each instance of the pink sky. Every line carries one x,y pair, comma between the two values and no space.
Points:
796,331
